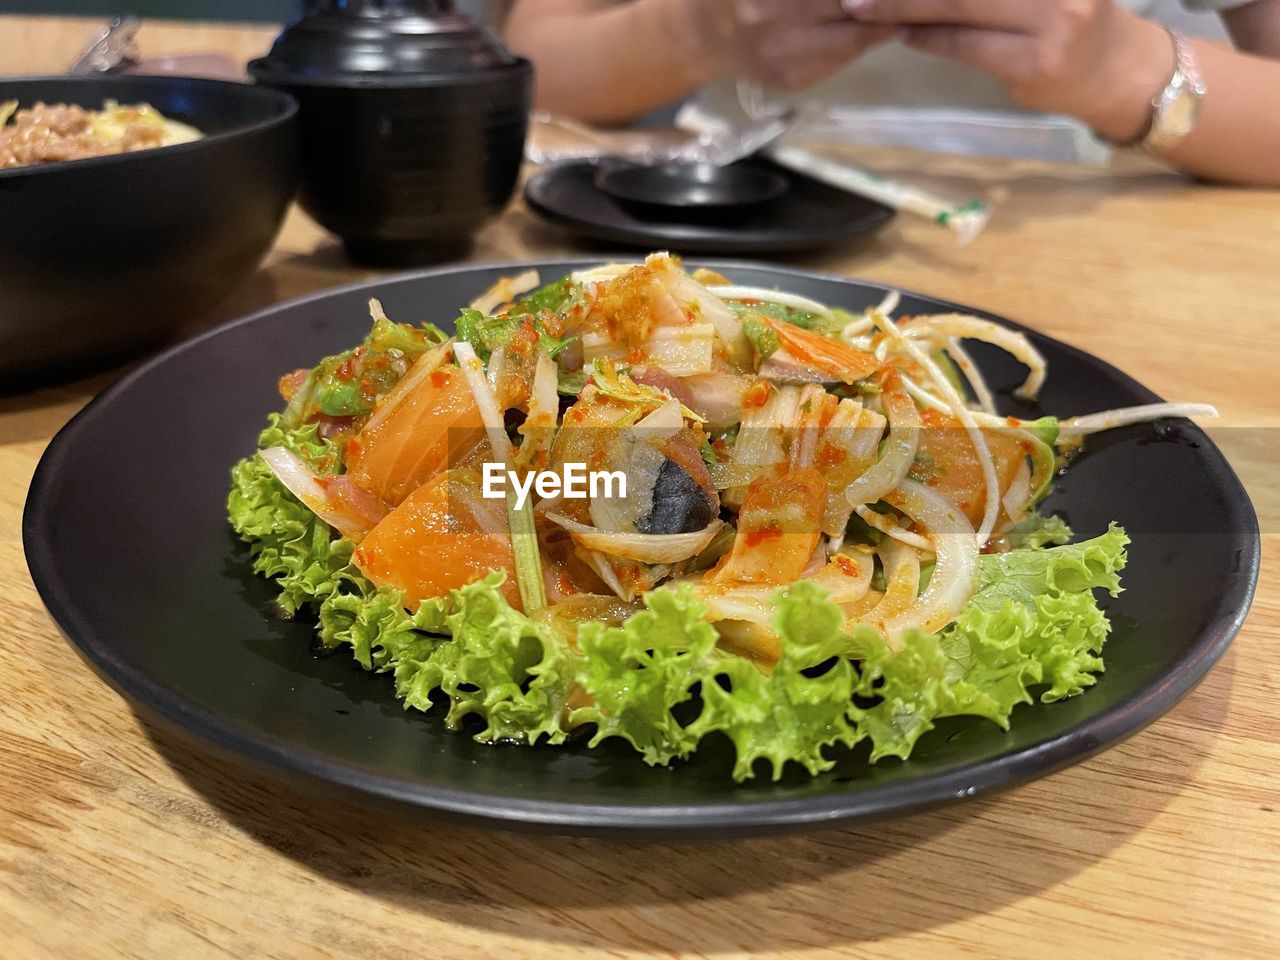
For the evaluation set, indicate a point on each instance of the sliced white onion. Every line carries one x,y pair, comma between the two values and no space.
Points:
681,351
866,439
976,328
539,427
490,414
891,528
1124,416
756,642
991,484
643,547
600,564
1018,495
977,382
765,295
841,586
292,471
496,360
901,580
747,603
758,604
899,451
956,550
602,273
717,397
505,291
923,396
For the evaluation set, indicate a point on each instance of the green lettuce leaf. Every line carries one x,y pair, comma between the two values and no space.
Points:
289,543
1039,530
1033,620
764,338
487,334
639,672
659,681
348,384
553,296
800,708
499,665
800,318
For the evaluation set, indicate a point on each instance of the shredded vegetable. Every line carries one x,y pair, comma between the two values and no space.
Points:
654,505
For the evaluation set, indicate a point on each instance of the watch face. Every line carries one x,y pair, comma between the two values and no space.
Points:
1180,113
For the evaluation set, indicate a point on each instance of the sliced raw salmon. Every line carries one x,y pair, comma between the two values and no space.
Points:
430,429
443,536
945,461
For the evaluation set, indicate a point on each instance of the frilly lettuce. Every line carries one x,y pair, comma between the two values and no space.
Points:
499,665
289,542
659,681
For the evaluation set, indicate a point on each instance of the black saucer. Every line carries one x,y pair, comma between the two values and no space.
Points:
681,188
809,214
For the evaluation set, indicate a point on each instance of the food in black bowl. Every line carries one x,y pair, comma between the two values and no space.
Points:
412,121
102,257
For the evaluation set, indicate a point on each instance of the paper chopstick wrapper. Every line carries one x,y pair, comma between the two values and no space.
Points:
965,220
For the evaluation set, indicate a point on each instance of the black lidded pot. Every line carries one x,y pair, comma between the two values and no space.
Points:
412,124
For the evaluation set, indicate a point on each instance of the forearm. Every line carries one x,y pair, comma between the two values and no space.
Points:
1237,135
1237,132
607,63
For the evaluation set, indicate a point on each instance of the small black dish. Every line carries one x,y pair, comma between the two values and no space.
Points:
685,189
202,651
100,258
806,214
412,124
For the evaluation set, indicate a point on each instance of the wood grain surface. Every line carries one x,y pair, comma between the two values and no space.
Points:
119,840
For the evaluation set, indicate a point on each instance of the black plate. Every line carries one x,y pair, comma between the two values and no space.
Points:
810,214
127,542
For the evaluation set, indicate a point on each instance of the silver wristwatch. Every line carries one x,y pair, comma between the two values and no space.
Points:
1175,108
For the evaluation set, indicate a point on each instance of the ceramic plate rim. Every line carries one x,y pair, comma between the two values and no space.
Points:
640,821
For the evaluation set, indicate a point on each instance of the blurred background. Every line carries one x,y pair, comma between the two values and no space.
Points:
885,76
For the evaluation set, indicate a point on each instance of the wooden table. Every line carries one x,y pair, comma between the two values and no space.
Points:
116,840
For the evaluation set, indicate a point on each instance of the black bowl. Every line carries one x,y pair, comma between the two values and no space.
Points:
100,258
405,169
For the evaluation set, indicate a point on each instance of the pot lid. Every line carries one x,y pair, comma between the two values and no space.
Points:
368,40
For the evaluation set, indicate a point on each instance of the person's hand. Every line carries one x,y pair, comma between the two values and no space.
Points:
789,44
1088,58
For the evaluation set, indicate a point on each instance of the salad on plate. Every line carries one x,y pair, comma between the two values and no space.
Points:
646,503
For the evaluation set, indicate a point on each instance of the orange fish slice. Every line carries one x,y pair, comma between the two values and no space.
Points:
432,428
442,537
